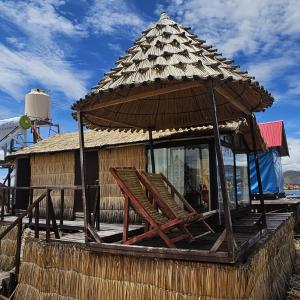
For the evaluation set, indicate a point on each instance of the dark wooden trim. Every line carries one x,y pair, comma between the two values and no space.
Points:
62,206
86,209
48,215
258,176
227,214
151,151
18,250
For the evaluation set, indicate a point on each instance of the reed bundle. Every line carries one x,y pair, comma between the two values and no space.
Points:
68,271
54,170
8,246
294,292
111,198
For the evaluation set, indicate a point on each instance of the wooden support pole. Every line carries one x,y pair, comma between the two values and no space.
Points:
18,250
30,203
151,151
257,169
86,209
48,215
227,214
36,221
62,205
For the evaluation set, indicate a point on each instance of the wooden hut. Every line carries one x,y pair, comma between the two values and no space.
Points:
187,154
169,80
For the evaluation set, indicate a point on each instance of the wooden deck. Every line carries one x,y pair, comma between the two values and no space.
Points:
280,201
246,235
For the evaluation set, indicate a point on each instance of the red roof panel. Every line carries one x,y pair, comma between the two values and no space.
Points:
272,132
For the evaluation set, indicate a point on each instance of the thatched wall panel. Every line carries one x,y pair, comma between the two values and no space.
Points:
54,170
111,198
8,246
75,273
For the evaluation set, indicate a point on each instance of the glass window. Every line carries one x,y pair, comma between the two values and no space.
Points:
187,168
228,158
242,179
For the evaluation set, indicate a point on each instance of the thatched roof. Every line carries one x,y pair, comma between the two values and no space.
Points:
161,84
97,139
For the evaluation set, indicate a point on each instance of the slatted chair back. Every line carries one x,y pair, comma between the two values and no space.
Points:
129,182
160,187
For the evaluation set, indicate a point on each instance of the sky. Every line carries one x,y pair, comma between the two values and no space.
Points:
65,47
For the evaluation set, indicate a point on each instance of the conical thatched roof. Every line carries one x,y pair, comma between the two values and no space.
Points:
161,83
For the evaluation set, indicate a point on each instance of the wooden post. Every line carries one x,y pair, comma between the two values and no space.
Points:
258,176
36,221
48,215
18,250
5,191
30,203
62,205
151,151
86,210
227,214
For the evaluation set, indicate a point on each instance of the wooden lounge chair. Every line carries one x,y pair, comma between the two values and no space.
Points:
162,191
135,196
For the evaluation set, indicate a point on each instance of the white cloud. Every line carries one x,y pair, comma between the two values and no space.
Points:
20,68
292,162
39,18
240,26
115,47
114,15
38,55
5,112
264,34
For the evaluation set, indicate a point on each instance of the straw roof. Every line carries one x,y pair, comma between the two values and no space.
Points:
97,139
161,83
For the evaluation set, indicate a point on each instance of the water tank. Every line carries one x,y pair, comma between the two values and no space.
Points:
37,105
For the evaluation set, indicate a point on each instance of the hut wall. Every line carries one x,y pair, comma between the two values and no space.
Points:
111,198
54,170
68,271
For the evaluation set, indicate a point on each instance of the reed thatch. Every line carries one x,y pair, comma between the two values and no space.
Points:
66,271
294,291
161,83
54,170
99,139
111,198
8,246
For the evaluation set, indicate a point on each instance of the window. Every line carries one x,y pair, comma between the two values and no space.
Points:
242,180
228,158
187,168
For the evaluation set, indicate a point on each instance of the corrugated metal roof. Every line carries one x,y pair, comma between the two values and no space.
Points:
274,136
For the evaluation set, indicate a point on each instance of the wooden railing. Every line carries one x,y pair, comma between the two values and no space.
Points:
8,196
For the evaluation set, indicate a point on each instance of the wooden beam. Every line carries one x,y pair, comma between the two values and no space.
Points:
227,214
144,95
151,151
121,124
218,242
221,90
257,169
86,210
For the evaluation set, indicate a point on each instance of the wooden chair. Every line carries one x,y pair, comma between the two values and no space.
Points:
135,197
163,192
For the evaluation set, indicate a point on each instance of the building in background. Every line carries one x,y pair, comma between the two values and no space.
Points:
270,161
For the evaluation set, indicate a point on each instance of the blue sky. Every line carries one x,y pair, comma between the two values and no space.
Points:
66,46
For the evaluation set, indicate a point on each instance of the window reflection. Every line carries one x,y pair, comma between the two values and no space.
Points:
187,168
242,179
228,158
